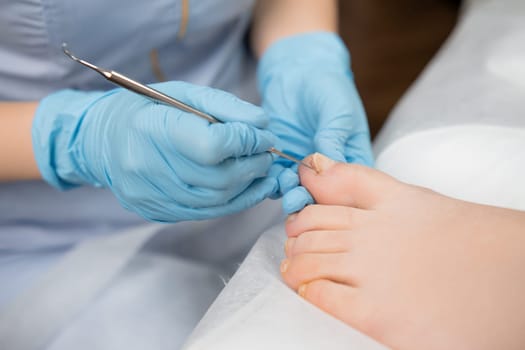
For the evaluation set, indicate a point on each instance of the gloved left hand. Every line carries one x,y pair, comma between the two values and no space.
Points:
309,93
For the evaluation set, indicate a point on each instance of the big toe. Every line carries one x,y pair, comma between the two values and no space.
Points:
336,183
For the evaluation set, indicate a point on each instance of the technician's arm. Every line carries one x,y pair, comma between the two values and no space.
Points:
275,19
162,163
17,161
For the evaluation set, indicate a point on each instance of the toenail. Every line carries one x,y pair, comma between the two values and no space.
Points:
284,265
321,163
302,290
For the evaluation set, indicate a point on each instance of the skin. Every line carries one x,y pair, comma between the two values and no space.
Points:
17,161
276,19
273,20
409,267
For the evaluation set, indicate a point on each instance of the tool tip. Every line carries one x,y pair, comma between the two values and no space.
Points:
308,165
67,52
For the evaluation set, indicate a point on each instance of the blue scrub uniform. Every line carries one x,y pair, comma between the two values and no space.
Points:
202,42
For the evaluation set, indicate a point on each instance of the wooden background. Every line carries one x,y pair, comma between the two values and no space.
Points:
391,41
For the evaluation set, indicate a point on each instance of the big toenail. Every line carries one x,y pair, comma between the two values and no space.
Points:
302,290
284,265
321,163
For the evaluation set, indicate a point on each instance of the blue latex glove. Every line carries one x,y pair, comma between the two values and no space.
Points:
162,163
309,92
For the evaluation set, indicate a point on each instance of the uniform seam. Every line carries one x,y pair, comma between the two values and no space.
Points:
49,47
185,14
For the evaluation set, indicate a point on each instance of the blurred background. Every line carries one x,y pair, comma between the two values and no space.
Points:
391,42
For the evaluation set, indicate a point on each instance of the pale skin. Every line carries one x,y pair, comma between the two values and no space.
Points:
273,20
409,267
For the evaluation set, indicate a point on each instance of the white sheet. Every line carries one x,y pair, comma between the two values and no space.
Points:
460,130
257,310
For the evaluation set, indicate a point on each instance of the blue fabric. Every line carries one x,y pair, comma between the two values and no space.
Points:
118,34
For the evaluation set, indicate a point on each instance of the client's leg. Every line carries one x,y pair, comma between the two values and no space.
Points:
408,266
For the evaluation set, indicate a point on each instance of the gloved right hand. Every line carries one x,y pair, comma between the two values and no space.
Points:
162,163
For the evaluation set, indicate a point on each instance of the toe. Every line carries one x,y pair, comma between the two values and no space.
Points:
346,303
338,300
344,183
304,268
288,246
324,217
319,242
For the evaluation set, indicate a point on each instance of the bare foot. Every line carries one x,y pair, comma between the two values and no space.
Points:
405,265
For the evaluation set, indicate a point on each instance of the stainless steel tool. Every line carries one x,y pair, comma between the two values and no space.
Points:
156,95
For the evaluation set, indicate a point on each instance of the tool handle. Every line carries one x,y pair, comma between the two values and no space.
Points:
156,95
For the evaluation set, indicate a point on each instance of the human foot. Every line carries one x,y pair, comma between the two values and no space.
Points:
405,265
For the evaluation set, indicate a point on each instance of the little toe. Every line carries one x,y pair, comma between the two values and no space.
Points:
319,242
338,300
304,268
324,217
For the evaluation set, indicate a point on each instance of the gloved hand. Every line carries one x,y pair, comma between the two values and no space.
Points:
308,90
162,163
